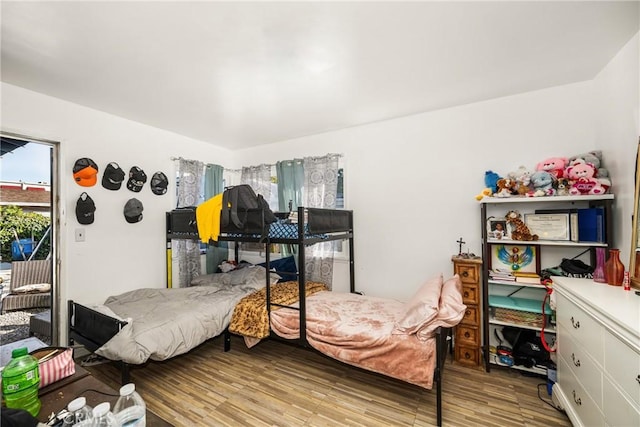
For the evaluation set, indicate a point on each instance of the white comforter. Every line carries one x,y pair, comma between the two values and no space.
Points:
166,322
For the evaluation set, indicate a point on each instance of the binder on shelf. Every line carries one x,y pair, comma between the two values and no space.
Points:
591,225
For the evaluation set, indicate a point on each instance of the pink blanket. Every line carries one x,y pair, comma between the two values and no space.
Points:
358,330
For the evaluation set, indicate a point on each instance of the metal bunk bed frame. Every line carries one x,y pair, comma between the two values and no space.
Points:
443,336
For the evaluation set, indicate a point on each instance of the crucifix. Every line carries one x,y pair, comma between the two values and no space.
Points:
460,242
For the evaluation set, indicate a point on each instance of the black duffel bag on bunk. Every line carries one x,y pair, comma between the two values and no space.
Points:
245,212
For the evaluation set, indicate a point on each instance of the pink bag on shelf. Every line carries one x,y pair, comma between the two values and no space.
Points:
54,364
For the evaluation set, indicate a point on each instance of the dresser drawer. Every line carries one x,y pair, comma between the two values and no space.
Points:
470,294
468,335
579,400
582,366
469,356
471,316
582,328
622,364
619,411
469,273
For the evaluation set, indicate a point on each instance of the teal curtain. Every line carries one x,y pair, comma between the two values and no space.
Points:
290,183
290,175
213,185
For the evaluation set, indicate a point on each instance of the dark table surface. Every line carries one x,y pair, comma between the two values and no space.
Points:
57,396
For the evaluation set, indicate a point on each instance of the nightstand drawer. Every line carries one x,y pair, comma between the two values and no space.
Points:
467,355
471,316
468,273
470,294
467,335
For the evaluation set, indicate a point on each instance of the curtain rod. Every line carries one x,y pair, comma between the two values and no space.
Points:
264,164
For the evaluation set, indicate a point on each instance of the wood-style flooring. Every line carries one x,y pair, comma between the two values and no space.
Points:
276,384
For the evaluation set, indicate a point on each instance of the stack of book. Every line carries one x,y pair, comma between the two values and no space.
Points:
502,275
524,277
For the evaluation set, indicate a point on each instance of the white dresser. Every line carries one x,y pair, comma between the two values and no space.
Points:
598,338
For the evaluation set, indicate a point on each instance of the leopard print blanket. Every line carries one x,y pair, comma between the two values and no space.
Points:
249,317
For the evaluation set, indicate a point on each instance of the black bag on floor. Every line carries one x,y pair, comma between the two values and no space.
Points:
528,350
245,212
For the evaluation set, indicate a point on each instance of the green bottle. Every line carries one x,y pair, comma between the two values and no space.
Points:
20,382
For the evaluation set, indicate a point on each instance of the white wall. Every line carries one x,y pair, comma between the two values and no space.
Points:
116,256
411,181
617,126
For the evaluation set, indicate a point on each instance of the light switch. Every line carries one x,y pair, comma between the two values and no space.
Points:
80,235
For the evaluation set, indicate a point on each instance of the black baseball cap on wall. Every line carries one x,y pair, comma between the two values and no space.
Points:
133,211
137,178
159,183
85,209
112,177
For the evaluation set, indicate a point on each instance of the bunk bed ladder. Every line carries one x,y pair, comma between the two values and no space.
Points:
352,283
302,278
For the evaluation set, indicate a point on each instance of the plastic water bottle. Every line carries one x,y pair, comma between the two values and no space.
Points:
20,382
130,409
80,414
103,417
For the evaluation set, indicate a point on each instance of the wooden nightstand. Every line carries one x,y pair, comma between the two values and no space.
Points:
468,332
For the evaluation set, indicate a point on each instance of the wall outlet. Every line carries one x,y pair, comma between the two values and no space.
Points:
80,235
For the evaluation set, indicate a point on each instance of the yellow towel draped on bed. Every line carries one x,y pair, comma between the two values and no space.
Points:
208,218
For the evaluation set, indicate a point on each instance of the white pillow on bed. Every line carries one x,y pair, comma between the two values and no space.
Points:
252,276
421,308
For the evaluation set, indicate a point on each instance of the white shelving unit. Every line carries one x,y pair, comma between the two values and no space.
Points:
549,253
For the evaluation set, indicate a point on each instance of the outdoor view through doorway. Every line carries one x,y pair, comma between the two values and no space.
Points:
26,240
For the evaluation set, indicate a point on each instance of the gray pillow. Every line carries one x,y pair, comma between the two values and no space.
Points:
252,276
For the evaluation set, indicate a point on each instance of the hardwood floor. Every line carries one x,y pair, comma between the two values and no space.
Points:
276,384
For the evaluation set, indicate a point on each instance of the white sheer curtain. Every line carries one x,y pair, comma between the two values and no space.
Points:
259,178
320,191
190,193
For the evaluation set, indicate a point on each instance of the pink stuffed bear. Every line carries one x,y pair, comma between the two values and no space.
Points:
554,165
581,175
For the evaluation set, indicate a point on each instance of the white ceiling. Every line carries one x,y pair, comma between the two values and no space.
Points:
240,74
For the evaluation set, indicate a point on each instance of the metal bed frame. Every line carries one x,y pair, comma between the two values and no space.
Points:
343,231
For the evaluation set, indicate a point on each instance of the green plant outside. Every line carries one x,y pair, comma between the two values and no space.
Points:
26,224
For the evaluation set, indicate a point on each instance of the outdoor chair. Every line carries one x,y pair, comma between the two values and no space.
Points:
30,286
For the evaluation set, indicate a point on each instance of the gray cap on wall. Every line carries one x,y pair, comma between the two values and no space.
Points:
133,211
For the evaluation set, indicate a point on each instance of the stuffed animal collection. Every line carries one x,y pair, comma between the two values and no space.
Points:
554,176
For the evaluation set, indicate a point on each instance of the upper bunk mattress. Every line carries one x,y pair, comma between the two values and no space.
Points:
282,230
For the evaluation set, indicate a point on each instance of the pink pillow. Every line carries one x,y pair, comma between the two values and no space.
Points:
451,310
421,308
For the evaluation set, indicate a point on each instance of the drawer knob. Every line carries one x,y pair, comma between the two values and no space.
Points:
576,324
465,274
575,362
467,356
466,294
467,313
577,400
467,335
